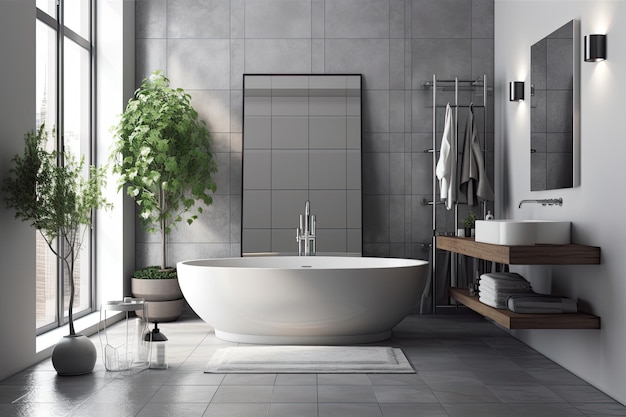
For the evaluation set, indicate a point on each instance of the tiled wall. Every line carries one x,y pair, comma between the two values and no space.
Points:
206,45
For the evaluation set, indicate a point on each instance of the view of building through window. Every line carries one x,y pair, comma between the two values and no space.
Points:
63,97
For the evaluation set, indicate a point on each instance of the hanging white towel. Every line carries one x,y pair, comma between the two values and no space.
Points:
474,181
446,165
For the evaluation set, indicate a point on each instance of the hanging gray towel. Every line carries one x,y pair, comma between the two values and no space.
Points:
474,181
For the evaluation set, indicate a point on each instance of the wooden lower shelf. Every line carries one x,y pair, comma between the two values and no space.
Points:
512,320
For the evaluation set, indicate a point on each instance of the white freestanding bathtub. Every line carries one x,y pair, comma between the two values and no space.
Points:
302,300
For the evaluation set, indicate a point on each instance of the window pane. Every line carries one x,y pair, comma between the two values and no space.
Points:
47,6
76,137
77,14
46,266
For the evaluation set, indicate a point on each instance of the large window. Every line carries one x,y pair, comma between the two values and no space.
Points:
64,104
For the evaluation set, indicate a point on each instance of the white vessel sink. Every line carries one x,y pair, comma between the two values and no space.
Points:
523,232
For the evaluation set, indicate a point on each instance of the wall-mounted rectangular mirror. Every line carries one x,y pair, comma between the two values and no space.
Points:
301,141
555,108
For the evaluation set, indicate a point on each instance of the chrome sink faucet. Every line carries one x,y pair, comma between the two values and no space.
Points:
305,233
544,202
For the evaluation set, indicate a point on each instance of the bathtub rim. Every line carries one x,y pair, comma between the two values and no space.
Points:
349,263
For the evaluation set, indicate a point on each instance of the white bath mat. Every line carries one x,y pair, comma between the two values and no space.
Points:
309,359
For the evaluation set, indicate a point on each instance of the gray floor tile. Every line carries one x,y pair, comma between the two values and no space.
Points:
174,409
195,378
545,410
349,410
396,394
236,410
601,409
478,410
451,377
413,410
461,393
185,394
396,379
243,394
293,410
524,393
346,394
294,394
296,379
580,393
249,379
343,379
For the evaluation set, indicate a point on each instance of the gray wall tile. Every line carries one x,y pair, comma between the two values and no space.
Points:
151,55
198,19
442,19
356,56
357,19
317,18
266,19
237,19
278,55
199,63
213,107
482,18
153,21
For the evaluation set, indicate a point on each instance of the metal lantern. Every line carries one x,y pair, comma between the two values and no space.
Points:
157,346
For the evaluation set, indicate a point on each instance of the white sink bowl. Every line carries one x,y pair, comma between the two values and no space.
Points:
523,232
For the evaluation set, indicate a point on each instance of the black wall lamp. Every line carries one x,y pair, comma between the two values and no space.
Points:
516,91
595,48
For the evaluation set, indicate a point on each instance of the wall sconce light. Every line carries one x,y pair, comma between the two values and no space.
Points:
516,91
595,48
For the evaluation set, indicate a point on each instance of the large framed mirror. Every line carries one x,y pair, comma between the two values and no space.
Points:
555,109
301,141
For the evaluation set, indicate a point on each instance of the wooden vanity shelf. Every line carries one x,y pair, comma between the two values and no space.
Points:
523,255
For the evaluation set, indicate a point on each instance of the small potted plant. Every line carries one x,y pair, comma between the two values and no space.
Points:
164,158
469,223
59,201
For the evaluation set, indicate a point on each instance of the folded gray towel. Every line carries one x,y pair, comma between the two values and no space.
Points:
541,304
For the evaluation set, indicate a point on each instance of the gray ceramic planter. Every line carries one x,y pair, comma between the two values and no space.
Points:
165,300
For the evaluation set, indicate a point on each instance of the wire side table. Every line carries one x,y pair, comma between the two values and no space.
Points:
126,350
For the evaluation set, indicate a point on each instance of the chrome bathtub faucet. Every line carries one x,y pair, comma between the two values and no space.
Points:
305,233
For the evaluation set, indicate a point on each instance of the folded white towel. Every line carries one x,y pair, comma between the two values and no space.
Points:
517,287
501,297
497,280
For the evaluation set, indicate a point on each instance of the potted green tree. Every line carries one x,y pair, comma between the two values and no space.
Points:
59,201
164,158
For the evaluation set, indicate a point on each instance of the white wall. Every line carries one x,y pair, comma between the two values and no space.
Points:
17,245
596,206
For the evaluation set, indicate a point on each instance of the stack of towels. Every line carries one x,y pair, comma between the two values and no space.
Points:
495,288
509,290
